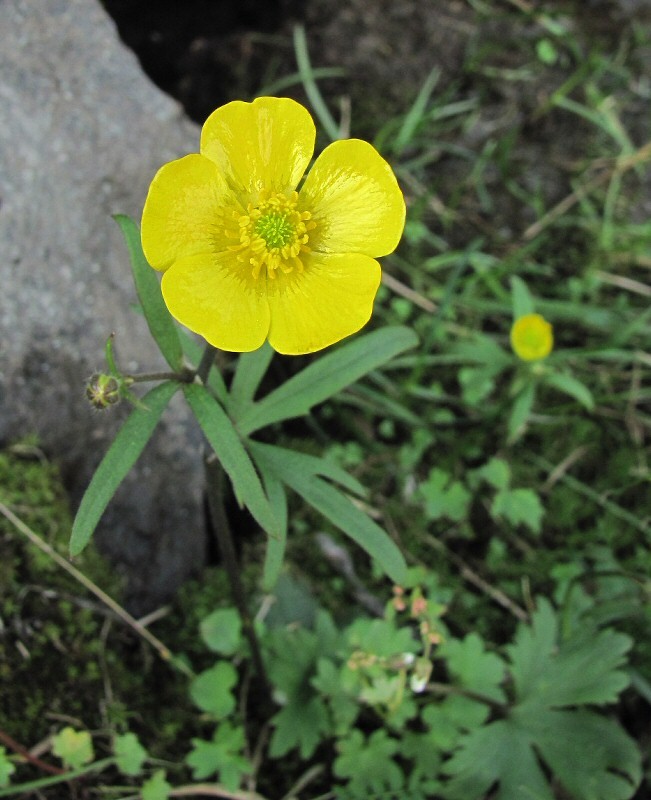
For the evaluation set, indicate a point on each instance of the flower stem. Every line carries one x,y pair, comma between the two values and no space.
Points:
224,536
206,363
146,377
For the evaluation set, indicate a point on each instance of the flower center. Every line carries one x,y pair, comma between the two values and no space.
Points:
272,234
275,228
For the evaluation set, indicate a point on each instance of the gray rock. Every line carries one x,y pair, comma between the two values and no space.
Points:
82,132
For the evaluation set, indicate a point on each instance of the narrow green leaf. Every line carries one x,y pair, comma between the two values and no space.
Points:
520,411
228,447
160,321
417,110
572,387
120,457
276,546
341,512
312,91
327,376
250,370
283,460
193,352
520,298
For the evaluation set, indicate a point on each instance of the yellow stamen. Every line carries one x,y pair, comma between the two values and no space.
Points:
272,234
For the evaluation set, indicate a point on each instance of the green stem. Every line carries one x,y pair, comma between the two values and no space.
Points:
185,376
446,689
42,783
224,536
206,363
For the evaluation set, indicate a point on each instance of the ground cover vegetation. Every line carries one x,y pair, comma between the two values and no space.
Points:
513,660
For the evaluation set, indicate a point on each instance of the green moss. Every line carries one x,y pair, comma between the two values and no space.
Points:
51,649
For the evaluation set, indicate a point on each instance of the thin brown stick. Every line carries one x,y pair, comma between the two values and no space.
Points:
621,165
162,650
24,752
213,790
472,577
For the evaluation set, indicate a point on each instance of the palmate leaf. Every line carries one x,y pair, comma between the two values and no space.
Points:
582,670
211,689
327,376
74,748
156,787
222,631
444,497
335,507
120,457
589,754
302,725
496,753
595,759
160,321
369,765
130,755
222,755
473,667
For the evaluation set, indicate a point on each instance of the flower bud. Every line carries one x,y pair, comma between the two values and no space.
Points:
102,391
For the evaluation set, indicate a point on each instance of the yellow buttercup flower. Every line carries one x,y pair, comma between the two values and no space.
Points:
532,337
247,255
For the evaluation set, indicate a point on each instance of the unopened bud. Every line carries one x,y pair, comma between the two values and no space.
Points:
102,390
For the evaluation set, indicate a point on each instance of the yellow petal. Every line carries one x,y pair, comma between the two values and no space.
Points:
332,298
214,296
181,216
532,337
266,144
354,199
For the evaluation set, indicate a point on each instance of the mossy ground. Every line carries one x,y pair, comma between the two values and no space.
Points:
64,657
